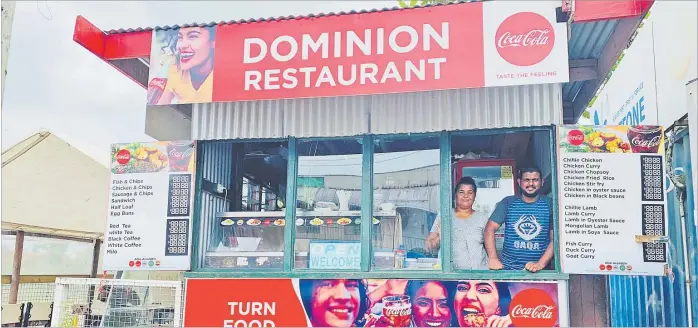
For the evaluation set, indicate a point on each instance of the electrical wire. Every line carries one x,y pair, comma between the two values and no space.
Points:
42,13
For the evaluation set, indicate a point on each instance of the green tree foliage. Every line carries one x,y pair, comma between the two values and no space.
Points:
414,3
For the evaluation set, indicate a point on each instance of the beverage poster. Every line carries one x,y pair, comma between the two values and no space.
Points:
370,303
150,206
612,192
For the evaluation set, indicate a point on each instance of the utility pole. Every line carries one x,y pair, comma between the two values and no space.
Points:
8,13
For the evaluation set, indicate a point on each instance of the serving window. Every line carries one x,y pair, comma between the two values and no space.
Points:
328,205
406,182
375,203
243,189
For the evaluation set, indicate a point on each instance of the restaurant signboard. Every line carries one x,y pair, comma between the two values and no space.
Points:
468,45
613,212
150,206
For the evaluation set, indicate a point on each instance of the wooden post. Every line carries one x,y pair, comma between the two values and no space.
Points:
93,274
16,267
95,257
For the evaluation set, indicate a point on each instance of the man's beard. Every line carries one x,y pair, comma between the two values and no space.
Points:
530,195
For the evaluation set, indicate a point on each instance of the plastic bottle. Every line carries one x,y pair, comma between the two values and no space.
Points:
400,256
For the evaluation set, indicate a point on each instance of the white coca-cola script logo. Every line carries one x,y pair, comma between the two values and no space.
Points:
397,311
181,154
538,312
529,39
525,39
641,142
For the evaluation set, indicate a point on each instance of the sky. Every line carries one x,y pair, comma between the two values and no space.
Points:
56,85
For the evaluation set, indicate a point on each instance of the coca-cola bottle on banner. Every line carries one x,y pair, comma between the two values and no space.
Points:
156,88
180,154
645,138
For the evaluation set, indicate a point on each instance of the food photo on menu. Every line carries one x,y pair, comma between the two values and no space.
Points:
613,139
427,303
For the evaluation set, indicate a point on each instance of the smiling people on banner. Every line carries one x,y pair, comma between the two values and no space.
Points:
334,302
468,228
527,232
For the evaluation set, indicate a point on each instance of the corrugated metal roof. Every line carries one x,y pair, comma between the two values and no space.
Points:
587,40
415,112
283,18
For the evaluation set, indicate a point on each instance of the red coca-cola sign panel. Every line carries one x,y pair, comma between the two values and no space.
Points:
575,137
123,156
533,308
525,39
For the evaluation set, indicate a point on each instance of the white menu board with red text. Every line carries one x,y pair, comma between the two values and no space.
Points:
150,206
611,189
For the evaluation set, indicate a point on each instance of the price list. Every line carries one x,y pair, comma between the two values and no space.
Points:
653,207
611,191
178,206
150,206
179,195
177,237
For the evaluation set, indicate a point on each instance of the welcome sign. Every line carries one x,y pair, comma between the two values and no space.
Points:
335,255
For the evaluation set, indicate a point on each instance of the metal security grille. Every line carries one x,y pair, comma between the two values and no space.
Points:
33,307
82,302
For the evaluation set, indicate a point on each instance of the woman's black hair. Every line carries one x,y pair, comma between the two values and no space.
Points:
307,290
467,181
504,297
171,36
413,286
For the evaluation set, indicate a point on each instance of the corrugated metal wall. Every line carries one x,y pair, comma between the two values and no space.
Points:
218,168
463,109
664,301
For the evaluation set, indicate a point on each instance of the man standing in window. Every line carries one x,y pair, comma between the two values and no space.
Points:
528,227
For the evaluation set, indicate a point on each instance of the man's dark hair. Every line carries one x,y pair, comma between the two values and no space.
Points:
529,169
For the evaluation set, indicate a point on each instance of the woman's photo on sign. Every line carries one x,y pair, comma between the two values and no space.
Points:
181,67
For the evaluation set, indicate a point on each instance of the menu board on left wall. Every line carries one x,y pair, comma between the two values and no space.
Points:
150,206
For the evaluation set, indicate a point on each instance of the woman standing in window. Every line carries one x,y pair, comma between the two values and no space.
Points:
468,229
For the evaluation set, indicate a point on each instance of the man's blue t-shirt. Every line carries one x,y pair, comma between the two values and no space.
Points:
526,229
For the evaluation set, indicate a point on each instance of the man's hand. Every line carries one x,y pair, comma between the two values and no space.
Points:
496,264
534,267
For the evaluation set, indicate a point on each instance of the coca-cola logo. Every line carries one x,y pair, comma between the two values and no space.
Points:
397,311
525,39
123,156
638,141
174,153
533,308
538,312
575,137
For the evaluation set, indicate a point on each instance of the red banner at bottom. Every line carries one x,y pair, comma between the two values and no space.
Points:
369,303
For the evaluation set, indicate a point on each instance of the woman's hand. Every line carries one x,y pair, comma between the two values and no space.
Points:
497,321
433,242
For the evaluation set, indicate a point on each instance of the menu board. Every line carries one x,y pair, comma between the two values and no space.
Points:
150,206
612,190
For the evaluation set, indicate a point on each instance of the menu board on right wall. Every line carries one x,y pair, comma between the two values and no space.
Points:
611,190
